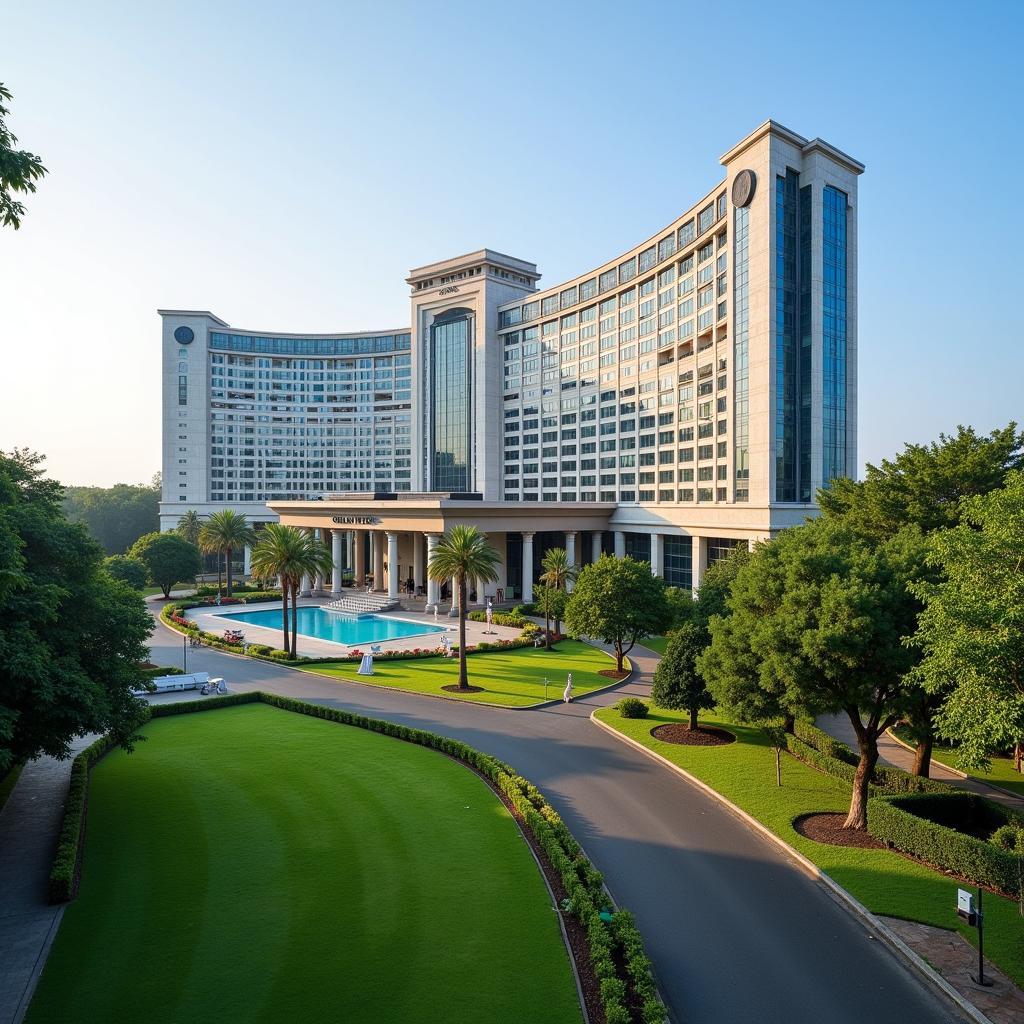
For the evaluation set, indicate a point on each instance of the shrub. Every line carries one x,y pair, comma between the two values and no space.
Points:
1009,837
631,707
914,823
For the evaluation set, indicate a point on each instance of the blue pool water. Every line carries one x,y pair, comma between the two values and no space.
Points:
342,629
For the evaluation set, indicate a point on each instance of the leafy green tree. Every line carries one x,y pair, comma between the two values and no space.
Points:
189,526
618,601
71,637
819,623
19,169
681,606
678,685
128,570
168,558
461,555
224,533
972,627
716,585
116,516
552,601
558,573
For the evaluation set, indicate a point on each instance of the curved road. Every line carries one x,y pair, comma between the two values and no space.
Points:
736,931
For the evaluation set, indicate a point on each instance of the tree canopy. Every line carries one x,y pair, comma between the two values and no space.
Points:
128,570
116,516
19,169
168,558
972,627
72,636
618,601
678,685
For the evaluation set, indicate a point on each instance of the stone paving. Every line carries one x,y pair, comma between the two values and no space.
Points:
956,960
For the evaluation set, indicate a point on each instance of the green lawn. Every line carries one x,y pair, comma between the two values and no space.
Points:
153,591
514,678
1002,772
655,643
248,864
884,881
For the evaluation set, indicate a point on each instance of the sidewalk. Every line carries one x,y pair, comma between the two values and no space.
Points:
894,753
29,824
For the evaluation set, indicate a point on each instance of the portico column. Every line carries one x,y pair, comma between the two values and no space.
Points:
350,549
321,582
392,565
417,559
432,584
360,557
305,584
378,560
657,554
570,554
699,560
527,568
620,544
247,561
596,539
336,557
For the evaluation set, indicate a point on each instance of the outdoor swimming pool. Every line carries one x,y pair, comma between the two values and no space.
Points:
342,629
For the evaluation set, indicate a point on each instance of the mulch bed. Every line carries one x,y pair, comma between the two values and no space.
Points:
455,688
613,673
702,736
827,827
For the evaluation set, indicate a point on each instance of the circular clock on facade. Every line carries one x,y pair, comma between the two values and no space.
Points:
185,336
743,186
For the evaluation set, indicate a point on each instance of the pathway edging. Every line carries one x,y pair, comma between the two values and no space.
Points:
841,896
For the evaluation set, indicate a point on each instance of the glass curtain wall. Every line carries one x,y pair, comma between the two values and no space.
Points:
450,406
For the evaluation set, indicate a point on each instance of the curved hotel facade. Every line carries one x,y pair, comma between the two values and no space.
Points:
690,395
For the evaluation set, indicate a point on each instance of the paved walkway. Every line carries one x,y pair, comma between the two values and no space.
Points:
736,931
29,824
890,751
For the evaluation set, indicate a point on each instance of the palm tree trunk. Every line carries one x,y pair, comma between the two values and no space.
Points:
220,580
463,676
295,618
284,620
227,566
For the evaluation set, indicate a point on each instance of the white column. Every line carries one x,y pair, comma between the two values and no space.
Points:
247,561
480,599
570,552
595,545
620,544
360,557
418,571
306,584
699,560
350,549
321,583
657,554
392,565
378,559
336,557
432,584
527,568
751,543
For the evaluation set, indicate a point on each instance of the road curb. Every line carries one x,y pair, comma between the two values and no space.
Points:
834,889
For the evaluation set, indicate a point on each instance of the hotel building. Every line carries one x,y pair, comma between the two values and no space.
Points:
687,396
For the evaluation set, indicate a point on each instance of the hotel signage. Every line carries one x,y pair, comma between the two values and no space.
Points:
355,520
449,290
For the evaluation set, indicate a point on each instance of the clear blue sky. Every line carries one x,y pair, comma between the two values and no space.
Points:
285,164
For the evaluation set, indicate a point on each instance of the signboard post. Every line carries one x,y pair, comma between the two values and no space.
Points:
975,917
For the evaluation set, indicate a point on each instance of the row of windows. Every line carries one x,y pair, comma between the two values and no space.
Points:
310,346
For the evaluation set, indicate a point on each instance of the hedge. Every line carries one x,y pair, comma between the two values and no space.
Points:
913,823
613,936
511,618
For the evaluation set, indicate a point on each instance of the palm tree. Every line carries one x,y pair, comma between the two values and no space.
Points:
225,531
189,527
463,554
314,559
558,573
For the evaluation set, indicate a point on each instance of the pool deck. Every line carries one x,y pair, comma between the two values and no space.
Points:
216,620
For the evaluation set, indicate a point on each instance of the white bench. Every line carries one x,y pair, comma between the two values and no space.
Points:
172,684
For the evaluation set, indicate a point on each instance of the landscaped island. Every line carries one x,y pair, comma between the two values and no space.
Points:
249,864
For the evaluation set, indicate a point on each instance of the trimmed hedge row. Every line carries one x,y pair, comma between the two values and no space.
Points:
906,822
613,938
513,619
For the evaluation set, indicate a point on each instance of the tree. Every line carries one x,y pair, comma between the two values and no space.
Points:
128,570
116,516
461,555
678,685
168,558
819,623
190,526
618,601
558,573
716,585
225,532
72,638
925,485
19,169
972,626
552,602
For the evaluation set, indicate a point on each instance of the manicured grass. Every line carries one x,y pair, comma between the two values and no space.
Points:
1002,772
514,678
884,881
7,783
153,591
655,643
253,865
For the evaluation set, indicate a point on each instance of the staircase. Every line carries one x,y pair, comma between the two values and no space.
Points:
361,603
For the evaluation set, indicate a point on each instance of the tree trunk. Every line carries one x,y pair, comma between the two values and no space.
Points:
1018,756
284,619
693,718
923,758
227,568
220,575
463,675
295,619
618,655
167,591
858,816
789,723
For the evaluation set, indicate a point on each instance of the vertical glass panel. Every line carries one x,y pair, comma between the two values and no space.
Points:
450,406
786,336
834,335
